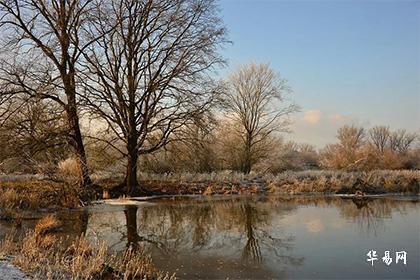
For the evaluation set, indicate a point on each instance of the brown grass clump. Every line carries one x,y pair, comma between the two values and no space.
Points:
70,168
7,245
44,256
46,225
37,194
209,191
9,202
11,197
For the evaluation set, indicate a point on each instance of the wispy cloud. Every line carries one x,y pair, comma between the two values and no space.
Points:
312,116
336,118
318,127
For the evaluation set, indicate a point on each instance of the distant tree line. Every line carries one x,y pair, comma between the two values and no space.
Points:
355,150
376,148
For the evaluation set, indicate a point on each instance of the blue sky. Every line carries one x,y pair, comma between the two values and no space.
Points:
348,62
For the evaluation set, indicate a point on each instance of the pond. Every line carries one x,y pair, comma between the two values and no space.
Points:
262,236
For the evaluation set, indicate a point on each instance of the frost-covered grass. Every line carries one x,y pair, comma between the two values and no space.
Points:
320,181
217,177
381,181
20,177
107,179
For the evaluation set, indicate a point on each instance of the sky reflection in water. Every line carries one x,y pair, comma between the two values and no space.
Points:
260,237
266,237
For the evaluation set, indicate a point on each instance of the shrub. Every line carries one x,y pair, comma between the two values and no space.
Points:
70,168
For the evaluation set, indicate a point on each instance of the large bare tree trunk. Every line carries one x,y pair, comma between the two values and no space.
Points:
247,165
75,139
76,142
132,184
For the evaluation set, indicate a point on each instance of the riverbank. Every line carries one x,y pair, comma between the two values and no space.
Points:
21,198
24,194
304,182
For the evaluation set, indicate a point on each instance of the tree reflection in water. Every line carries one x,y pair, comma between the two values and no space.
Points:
132,237
220,227
252,248
227,235
368,213
243,237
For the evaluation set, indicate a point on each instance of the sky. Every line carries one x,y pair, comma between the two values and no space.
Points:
347,62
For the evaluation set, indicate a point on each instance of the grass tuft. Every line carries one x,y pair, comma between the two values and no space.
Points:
41,254
46,225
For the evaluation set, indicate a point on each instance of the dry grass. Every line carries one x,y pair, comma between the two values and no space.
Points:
70,168
46,225
20,197
374,182
35,194
319,181
41,254
185,177
9,202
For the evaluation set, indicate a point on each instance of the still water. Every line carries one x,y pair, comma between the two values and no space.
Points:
263,237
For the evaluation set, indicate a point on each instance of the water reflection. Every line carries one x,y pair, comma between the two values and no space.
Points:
252,248
237,231
132,233
258,237
247,236
370,213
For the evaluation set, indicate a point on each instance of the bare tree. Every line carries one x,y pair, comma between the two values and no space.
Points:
379,136
149,77
193,146
347,154
32,132
351,137
255,99
401,140
6,104
49,32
